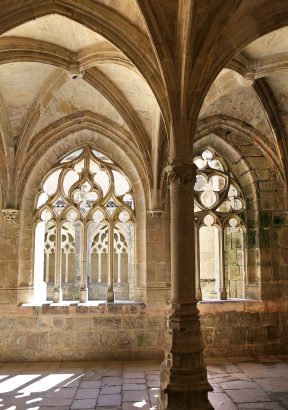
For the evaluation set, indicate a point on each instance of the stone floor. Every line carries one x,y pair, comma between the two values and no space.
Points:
239,383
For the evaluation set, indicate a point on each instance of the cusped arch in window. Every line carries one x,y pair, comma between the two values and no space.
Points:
220,228
85,198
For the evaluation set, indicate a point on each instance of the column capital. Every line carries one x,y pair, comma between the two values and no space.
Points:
10,215
181,172
155,213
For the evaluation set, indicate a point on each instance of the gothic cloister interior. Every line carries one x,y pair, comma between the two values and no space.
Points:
143,190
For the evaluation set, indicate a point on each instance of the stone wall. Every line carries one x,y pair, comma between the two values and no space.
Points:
75,332
136,331
245,327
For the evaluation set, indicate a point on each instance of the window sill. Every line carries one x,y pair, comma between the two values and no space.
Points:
232,300
94,307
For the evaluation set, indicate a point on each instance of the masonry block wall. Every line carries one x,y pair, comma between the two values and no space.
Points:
136,332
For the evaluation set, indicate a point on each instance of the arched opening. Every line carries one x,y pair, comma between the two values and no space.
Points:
84,230
220,224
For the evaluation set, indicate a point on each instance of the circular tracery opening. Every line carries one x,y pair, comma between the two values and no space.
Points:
219,211
85,194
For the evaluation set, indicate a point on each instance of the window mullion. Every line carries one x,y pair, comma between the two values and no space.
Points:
57,293
222,293
110,290
83,287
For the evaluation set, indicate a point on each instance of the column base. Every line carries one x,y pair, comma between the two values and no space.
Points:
184,400
110,296
222,295
198,294
57,295
183,374
83,295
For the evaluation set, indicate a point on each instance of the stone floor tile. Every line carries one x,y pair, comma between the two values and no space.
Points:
255,370
55,402
110,390
131,381
90,384
263,406
218,360
238,376
108,408
131,406
53,408
281,397
112,372
153,395
153,383
92,375
273,384
220,401
248,395
133,375
231,382
239,384
136,395
63,393
222,379
83,404
153,377
109,400
149,371
112,381
216,387
87,393
213,369
134,386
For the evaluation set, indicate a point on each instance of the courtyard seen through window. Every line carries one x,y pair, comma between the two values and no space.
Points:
84,230
219,214
85,236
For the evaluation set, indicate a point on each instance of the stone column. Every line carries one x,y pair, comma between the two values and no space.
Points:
197,264
222,293
183,376
110,290
83,287
57,292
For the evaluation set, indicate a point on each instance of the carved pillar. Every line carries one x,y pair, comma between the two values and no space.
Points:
110,290
183,377
83,288
197,264
222,293
57,292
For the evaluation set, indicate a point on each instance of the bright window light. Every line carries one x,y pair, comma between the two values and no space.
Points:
15,382
46,383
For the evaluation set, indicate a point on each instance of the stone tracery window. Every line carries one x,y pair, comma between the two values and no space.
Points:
220,228
84,230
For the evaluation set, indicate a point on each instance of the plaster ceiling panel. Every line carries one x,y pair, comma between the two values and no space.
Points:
20,84
241,103
75,96
129,10
135,90
58,30
272,43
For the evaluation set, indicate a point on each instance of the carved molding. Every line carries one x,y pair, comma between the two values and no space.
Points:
10,215
181,172
155,213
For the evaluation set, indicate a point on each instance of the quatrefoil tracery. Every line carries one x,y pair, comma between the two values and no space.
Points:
82,183
216,189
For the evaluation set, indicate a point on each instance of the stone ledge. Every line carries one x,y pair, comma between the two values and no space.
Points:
242,305
117,308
